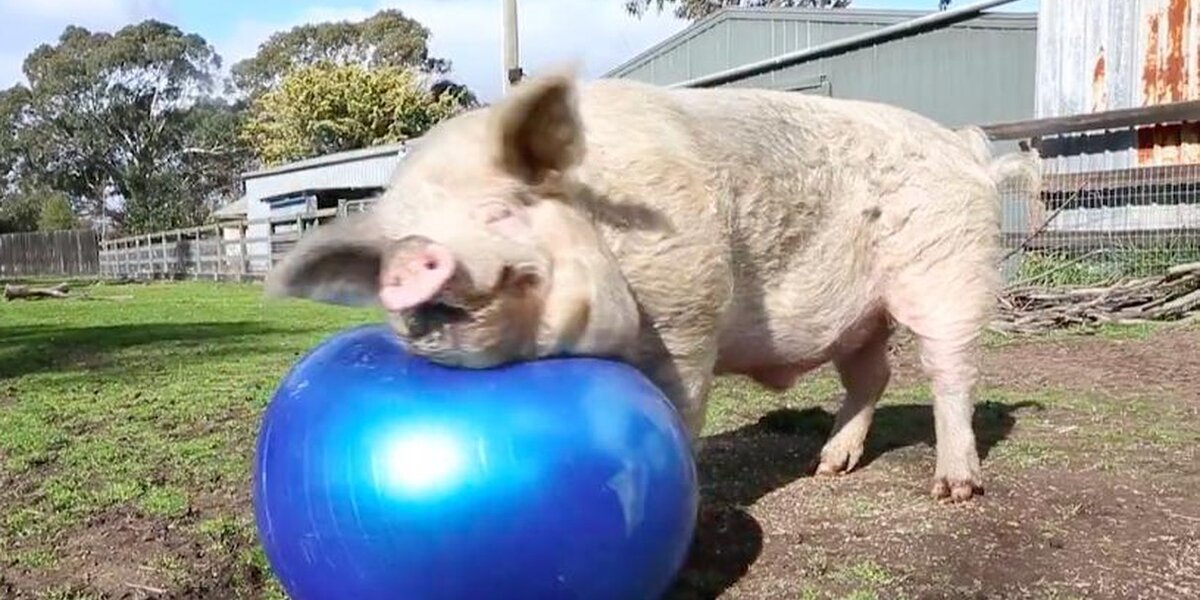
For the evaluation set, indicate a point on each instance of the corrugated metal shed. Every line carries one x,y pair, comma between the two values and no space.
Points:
976,71
367,167
1098,55
292,188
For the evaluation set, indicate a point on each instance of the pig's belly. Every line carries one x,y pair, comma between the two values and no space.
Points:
776,351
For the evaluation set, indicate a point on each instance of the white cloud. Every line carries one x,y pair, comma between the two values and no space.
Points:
596,33
86,11
41,21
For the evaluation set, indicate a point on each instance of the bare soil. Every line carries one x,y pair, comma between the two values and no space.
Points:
1093,488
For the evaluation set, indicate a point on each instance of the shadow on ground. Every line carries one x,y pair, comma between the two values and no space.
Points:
31,349
739,467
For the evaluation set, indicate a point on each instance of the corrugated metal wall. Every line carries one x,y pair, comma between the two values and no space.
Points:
1096,55
368,168
738,37
980,71
370,171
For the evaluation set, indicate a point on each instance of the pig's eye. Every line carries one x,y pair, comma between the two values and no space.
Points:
492,213
503,219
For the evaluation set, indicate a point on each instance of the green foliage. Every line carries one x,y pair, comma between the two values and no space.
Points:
20,210
1102,267
100,103
329,108
123,113
34,208
211,160
14,109
131,114
386,39
56,213
698,9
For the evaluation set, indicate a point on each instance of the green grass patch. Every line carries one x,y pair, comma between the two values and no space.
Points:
140,399
164,501
37,558
868,574
66,593
1072,268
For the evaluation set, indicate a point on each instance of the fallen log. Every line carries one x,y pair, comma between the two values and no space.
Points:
14,292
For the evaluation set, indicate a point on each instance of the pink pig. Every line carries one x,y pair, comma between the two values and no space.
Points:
691,233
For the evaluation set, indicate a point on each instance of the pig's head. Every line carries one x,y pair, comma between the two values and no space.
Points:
478,251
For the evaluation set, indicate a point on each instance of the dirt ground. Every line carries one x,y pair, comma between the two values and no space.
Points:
1089,447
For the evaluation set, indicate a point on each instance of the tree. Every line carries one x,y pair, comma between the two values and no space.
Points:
127,113
698,9
386,39
14,109
101,102
216,155
56,214
329,108
20,210
206,170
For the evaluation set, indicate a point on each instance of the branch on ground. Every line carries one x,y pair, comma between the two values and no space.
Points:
1173,296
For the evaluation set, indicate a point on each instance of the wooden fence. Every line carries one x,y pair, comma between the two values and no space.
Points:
70,253
218,252
231,251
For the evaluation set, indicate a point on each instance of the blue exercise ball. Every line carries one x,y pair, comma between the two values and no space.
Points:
379,474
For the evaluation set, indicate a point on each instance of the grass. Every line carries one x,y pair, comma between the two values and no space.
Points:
1061,268
139,405
140,400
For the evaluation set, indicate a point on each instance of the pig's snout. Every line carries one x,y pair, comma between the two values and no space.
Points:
413,273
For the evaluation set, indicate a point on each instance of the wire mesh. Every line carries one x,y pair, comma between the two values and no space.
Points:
1095,227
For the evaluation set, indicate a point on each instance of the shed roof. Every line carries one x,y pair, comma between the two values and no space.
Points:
333,159
880,18
233,210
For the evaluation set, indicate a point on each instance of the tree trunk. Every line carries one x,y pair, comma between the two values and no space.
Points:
13,292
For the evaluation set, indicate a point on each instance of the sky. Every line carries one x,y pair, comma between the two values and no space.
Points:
467,32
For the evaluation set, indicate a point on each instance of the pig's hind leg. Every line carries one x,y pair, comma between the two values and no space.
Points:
946,303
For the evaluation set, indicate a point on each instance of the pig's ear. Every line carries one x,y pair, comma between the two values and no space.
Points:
537,131
336,263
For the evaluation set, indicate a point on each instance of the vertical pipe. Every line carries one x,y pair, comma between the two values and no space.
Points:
512,59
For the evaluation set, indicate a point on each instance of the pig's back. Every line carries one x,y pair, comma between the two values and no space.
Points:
800,192
811,153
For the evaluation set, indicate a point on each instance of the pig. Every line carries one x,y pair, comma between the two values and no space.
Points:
692,233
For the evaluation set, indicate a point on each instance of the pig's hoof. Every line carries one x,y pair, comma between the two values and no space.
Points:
837,461
956,490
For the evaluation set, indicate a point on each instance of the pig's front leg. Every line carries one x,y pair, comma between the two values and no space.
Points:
686,380
681,365
683,284
865,373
